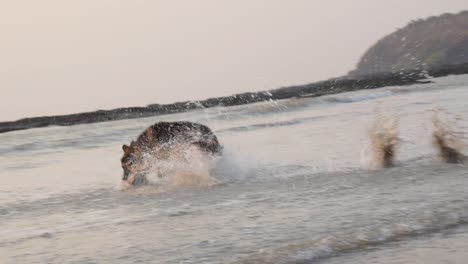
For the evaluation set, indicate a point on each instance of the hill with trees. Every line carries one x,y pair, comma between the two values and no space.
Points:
425,43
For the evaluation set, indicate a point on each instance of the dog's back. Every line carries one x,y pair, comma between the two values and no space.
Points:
167,133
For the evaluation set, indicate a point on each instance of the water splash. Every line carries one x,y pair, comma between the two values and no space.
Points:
447,138
383,141
185,165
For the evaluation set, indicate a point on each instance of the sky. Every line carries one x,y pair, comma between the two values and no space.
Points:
68,56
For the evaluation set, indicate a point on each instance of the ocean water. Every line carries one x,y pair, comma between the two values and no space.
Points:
292,186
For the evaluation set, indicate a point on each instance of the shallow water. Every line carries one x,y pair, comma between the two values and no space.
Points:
292,187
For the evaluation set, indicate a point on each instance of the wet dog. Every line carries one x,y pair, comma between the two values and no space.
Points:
161,141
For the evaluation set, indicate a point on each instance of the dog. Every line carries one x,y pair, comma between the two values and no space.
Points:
162,140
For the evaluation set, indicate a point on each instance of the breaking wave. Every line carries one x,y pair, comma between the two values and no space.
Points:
361,238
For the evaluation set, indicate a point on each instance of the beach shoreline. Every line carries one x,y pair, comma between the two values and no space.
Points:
316,89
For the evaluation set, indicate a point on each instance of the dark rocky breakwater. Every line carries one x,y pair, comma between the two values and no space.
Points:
331,86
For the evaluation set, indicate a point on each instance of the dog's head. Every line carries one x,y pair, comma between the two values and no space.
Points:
130,162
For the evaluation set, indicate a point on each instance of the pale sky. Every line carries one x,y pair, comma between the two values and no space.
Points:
67,56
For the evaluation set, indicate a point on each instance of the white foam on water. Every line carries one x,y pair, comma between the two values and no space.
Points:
360,239
185,166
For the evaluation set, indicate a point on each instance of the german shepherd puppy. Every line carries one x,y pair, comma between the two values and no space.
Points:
160,141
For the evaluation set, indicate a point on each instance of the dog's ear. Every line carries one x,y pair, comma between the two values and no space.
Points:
126,149
149,135
134,146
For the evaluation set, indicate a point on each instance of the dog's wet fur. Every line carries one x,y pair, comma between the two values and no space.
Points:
160,141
